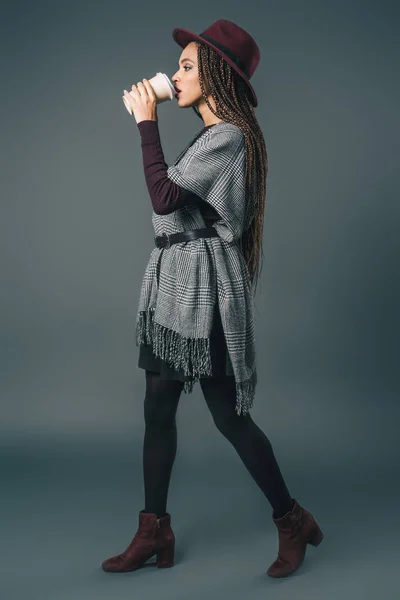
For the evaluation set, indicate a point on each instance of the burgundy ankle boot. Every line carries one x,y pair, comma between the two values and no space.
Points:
296,529
154,536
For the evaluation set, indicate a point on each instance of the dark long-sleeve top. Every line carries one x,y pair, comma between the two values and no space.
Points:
166,196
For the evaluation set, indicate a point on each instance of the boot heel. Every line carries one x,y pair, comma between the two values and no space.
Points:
165,557
316,537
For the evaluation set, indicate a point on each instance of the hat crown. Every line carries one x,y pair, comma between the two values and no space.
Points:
236,43
231,42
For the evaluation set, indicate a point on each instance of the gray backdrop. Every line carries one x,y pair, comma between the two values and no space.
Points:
76,235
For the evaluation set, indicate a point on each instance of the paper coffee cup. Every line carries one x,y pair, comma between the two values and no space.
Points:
163,90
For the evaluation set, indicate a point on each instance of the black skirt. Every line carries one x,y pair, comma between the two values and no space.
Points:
219,355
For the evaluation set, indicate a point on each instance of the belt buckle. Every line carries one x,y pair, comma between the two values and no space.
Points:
168,242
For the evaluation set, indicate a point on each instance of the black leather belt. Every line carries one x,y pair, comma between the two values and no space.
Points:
166,240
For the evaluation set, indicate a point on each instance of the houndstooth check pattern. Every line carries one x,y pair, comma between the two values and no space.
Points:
181,284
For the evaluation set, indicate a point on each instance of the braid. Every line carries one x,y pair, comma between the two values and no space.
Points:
233,105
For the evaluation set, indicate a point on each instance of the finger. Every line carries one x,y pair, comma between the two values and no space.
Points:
134,93
138,90
131,99
141,88
149,89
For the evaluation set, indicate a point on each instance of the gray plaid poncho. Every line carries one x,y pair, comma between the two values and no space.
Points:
181,284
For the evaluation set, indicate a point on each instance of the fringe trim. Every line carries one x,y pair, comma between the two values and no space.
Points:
245,392
190,354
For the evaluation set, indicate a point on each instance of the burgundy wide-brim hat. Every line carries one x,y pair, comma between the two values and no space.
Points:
232,42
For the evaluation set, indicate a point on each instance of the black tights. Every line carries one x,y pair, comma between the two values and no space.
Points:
160,440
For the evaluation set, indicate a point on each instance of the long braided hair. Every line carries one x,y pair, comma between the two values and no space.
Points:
234,105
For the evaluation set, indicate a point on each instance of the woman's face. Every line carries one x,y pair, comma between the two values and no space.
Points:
186,78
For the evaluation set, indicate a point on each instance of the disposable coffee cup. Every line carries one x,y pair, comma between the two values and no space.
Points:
163,90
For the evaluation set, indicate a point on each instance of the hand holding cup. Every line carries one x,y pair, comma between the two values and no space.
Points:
142,101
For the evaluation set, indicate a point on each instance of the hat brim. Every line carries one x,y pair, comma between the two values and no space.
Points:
183,37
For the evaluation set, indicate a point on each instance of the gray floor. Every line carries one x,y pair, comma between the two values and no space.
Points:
67,507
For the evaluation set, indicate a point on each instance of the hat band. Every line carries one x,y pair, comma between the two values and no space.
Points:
228,52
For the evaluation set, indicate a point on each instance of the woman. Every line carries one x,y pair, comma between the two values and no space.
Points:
195,315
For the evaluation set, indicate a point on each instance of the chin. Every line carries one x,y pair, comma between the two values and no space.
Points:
185,103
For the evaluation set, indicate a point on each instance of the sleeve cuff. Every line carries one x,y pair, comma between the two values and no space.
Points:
149,131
